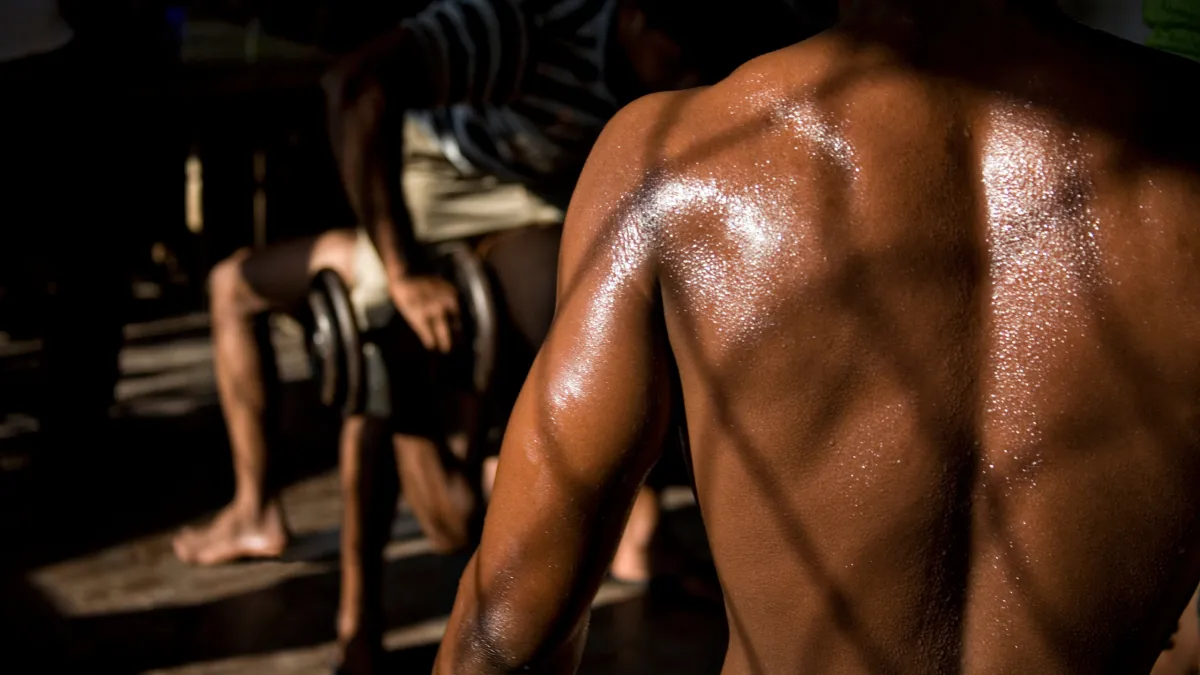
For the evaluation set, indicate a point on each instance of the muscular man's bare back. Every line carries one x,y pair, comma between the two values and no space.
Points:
931,291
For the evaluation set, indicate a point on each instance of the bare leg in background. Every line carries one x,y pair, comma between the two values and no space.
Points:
244,286
437,486
369,486
631,563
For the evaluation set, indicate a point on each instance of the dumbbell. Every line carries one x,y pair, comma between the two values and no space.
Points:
350,362
335,342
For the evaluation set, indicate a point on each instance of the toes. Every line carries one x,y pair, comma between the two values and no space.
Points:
216,553
180,550
207,547
182,544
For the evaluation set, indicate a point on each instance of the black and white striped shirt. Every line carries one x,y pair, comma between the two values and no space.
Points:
521,86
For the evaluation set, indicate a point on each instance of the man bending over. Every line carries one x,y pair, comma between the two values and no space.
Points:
929,284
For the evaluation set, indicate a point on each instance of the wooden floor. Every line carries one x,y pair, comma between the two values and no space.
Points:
88,583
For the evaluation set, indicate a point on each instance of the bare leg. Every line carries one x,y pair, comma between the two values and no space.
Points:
632,560
441,499
433,444
489,475
437,480
243,287
440,496
369,490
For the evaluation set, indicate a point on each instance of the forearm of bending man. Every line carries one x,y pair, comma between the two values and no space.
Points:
586,430
454,51
367,95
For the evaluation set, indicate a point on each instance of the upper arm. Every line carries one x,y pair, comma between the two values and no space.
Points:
590,421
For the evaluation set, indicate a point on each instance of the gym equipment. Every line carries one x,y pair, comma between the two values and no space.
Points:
335,344
350,361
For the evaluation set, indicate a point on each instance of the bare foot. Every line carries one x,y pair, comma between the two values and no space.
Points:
631,564
234,535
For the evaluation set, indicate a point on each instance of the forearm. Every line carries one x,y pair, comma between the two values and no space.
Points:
370,161
488,639
393,239
368,94
375,166
524,600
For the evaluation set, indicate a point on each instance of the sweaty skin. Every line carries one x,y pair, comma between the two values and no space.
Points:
929,283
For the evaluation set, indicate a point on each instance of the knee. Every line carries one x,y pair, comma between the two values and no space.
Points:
338,250
225,287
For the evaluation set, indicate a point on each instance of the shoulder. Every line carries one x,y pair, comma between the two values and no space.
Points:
606,218
657,140
634,145
663,135
667,120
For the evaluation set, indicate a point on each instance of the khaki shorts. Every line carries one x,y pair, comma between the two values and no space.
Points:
444,204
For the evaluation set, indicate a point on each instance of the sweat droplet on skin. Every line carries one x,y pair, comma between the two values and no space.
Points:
1043,262
1043,256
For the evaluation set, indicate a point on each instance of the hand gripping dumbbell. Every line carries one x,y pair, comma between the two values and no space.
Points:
350,360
